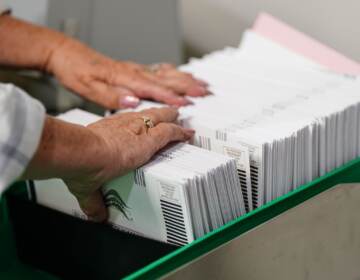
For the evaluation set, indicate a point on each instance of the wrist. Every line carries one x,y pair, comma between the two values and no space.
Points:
66,151
56,54
15,34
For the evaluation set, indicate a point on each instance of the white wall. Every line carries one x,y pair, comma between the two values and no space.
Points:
144,31
212,24
31,10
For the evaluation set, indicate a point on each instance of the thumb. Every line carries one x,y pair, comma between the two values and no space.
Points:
94,207
112,97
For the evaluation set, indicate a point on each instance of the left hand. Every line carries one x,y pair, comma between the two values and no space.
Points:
116,84
123,143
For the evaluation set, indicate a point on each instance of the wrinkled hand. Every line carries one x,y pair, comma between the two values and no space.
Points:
125,143
115,85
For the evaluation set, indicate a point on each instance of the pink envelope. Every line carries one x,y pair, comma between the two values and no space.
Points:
280,32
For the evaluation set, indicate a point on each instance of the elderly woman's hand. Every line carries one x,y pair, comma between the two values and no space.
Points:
113,84
125,143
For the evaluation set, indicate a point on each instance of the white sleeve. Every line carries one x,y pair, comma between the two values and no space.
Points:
21,124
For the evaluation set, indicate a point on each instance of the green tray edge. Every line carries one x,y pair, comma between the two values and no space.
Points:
348,173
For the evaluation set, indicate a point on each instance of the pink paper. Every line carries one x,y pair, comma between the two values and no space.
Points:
278,31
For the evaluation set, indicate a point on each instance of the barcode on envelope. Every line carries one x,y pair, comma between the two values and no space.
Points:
221,135
243,184
204,142
139,177
174,223
254,177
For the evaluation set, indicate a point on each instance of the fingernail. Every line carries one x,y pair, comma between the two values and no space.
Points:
201,90
188,102
174,108
197,91
129,101
184,101
189,132
202,83
208,92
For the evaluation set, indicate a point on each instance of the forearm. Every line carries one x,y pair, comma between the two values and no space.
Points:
25,45
65,151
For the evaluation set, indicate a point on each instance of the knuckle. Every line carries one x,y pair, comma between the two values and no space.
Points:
178,131
135,128
171,130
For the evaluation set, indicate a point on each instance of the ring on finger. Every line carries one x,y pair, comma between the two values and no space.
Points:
148,122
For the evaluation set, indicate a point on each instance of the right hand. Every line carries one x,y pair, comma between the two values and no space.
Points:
125,143
119,84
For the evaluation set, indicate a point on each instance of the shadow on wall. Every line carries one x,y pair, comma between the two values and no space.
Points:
209,25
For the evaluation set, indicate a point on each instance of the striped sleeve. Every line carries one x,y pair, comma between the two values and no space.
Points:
21,121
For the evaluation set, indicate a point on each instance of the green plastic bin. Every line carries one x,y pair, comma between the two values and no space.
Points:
26,240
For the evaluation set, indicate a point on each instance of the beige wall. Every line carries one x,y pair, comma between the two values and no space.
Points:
212,24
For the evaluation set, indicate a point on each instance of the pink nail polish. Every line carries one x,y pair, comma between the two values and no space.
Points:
184,100
190,131
202,83
201,90
129,101
197,91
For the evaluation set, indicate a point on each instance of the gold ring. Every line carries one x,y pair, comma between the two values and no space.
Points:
148,122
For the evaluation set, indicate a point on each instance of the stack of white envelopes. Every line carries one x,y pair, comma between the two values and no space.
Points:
276,120
286,121
292,123
183,193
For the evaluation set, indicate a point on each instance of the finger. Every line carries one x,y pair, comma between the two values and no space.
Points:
123,118
158,115
145,88
165,133
159,68
112,97
119,120
166,66
175,73
181,84
202,82
94,207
